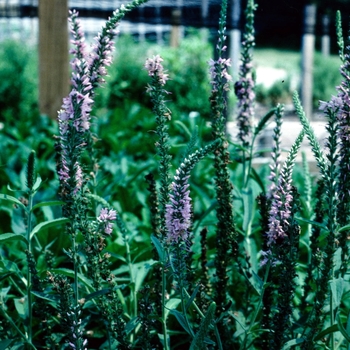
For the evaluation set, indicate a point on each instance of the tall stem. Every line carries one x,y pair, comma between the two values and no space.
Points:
29,275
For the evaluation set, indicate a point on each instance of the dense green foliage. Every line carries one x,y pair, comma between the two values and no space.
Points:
208,249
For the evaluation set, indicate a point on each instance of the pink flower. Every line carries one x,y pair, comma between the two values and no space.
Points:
178,211
105,218
155,69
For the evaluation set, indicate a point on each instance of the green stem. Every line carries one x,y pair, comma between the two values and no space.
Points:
247,169
9,319
165,331
75,262
132,279
257,310
29,275
200,313
183,306
332,320
217,335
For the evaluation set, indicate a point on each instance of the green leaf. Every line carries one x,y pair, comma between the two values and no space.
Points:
140,271
342,330
21,307
131,325
181,319
37,184
255,176
337,288
344,228
98,293
158,246
204,327
314,223
46,297
263,121
293,342
330,329
4,344
171,304
48,224
248,203
47,204
14,200
70,273
183,127
190,301
3,293
8,237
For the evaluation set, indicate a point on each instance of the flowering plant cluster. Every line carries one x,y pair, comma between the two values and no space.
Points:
220,256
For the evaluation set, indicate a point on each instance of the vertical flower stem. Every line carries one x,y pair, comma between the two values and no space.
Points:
258,308
132,280
75,262
13,324
29,275
165,331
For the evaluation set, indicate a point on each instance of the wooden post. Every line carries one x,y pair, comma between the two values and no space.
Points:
235,38
53,55
175,28
308,48
326,42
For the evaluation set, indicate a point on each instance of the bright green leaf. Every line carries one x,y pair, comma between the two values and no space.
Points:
8,237
171,304
293,342
48,224
14,200
337,288
47,204
21,307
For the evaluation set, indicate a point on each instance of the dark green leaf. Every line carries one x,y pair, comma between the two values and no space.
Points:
131,325
98,293
190,301
70,273
342,330
47,297
159,247
47,204
181,319
4,344
263,121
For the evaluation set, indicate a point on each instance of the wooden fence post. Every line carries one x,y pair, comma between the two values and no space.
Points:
235,39
308,48
326,41
53,55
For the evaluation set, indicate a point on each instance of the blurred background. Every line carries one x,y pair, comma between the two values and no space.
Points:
296,49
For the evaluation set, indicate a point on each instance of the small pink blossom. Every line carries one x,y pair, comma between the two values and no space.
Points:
155,69
105,218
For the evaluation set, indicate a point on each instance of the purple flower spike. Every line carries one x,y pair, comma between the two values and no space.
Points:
280,211
178,211
155,69
105,218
